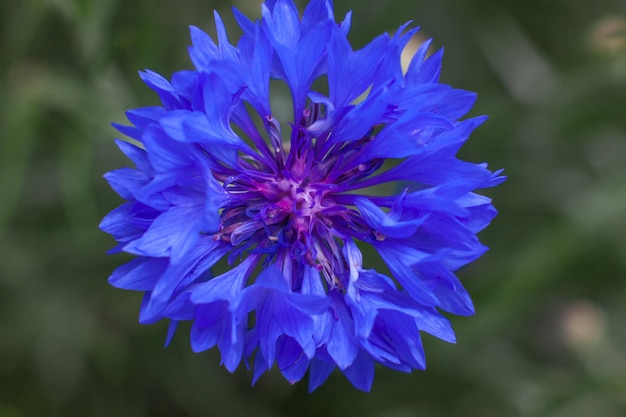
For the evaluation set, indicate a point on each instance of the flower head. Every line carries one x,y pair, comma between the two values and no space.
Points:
289,204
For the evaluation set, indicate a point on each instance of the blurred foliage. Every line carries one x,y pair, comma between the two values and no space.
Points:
548,338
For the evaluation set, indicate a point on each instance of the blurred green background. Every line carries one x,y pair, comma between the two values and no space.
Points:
548,338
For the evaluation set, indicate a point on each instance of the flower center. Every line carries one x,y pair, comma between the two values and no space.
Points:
284,217
290,206
275,207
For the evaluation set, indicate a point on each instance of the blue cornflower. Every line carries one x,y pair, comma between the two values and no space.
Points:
289,204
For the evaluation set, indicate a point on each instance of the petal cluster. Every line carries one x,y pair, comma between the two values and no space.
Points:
367,162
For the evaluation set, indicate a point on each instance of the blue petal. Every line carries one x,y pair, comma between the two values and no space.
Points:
320,371
228,51
283,23
173,233
126,180
402,335
119,224
196,127
169,97
166,155
480,211
144,116
131,132
150,311
358,121
270,331
413,72
456,103
231,350
361,372
260,366
427,200
355,260
203,51
246,25
451,232
457,136
280,312
299,54
456,258
312,284
408,136
316,11
185,83
226,286
384,223
150,197
434,168
390,70
293,322
395,256
135,154
219,321
291,360
171,330
351,73
198,261
208,325
257,54
341,345
140,274
429,70
272,278
180,308
431,321
427,319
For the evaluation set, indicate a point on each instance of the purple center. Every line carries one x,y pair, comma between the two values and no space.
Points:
292,204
